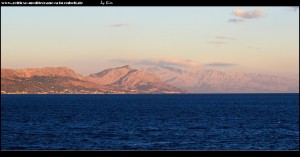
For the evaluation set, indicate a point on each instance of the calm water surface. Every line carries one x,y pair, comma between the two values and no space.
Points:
150,122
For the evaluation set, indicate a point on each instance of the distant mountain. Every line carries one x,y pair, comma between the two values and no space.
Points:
48,71
212,81
109,76
149,79
46,80
65,80
131,79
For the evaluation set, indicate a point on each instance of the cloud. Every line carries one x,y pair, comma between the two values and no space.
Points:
219,64
171,62
220,40
251,14
235,20
159,62
216,42
118,25
246,15
223,37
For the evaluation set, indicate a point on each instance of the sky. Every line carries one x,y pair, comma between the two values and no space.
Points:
91,39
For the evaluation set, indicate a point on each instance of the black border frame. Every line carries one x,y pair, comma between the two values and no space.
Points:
156,3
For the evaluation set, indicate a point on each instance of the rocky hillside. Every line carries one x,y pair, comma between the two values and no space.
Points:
46,80
48,71
65,80
109,76
130,79
149,79
213,81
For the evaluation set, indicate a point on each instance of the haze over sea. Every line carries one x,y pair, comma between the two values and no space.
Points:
150,122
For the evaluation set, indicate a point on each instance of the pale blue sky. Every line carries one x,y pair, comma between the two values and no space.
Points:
86,38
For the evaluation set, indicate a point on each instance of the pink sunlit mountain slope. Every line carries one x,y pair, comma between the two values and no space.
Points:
212,81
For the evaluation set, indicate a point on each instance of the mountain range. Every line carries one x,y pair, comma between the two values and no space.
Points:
200,80
65,80
143,79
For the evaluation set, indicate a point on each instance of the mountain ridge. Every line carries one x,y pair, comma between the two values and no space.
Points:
60,80
146,79
214,81
46,71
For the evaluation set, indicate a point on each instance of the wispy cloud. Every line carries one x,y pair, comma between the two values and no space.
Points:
171,62
233,20
220,40
246,15
251,14
118,25
216,42
219,64
159,62
225,38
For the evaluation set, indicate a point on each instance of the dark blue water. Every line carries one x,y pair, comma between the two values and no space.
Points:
150,122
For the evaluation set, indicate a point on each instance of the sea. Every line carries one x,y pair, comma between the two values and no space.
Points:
150,122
